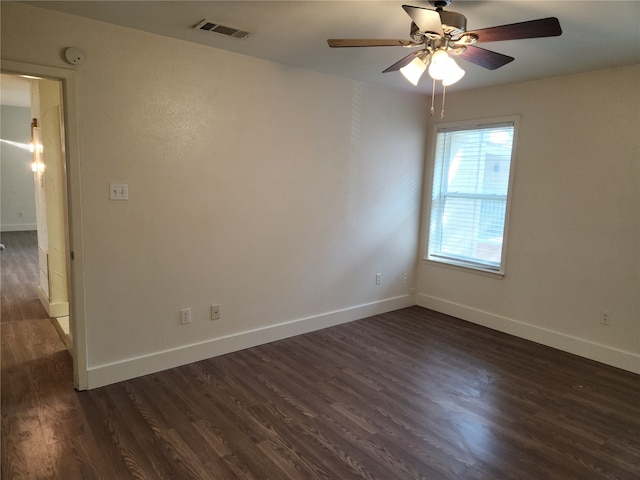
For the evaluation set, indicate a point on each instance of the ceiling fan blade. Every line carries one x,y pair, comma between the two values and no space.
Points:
405,61
370,42
485,58
543,27
426,20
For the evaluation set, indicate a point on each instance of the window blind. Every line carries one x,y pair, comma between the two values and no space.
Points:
470,194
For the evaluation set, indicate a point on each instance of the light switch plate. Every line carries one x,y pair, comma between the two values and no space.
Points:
119,191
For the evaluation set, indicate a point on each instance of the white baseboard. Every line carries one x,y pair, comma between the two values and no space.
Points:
577,346
17,227
61,324
101,375
53,309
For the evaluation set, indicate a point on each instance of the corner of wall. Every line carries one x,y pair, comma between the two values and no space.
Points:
577,346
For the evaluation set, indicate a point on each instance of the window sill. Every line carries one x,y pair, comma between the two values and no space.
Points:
466,268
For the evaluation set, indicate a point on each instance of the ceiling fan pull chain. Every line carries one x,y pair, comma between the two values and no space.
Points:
444,89
433,91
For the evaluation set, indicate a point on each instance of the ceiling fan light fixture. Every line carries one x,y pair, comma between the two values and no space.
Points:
439,64
454,73
413,71
443,34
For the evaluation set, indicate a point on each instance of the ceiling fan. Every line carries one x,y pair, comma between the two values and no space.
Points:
441,34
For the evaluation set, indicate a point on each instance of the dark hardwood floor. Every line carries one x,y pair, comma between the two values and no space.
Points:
410,394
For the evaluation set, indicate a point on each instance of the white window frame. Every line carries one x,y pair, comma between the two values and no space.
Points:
469,125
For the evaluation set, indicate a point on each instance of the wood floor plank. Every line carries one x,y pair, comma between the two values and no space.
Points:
410,394
106,460
132,438
288,438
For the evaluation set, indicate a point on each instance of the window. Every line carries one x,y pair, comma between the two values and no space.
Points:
470,195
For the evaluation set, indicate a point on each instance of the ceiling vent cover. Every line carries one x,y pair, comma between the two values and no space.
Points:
215,27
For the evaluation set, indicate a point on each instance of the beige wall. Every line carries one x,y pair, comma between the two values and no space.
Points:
574,239
280,193
17,188
276,192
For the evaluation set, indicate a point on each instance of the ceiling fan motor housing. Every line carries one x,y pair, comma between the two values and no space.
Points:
453,24
440,3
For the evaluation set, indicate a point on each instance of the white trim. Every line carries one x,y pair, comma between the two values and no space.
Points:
561,341
101,375
55,309
18,227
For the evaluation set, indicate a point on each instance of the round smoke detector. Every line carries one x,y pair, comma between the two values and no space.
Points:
74,56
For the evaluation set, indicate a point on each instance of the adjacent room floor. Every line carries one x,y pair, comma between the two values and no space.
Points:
410,394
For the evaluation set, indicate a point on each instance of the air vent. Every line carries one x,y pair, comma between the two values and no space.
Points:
227,31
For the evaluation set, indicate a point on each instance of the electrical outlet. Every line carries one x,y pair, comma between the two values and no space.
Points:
185,316
605,318
378,278
215,312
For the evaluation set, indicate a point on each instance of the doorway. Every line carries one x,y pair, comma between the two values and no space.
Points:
34,198
56,181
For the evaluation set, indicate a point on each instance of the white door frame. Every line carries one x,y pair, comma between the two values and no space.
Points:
74,238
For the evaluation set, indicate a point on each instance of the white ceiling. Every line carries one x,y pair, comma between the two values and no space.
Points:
596,34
